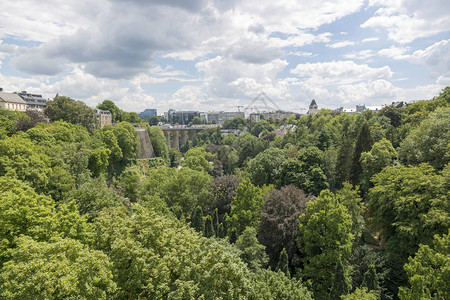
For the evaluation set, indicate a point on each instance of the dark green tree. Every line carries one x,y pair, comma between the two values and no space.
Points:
215,221
283,263
116,112
341,282
197,221
209,229
371,279
363,143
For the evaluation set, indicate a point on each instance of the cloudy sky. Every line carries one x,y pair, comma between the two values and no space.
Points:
217,54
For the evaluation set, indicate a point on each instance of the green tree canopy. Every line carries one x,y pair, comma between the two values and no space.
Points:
72,111
58,269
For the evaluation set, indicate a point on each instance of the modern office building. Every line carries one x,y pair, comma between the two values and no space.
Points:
148,113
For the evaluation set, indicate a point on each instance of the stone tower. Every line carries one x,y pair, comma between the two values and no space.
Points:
313,108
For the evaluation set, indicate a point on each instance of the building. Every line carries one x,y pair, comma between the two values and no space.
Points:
33,101
360,109
148,113
219,117
180,117
12,101
104,117
313,108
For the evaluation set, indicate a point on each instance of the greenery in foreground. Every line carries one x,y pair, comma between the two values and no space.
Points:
343,207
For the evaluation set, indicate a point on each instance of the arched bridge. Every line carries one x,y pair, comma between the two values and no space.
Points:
177,136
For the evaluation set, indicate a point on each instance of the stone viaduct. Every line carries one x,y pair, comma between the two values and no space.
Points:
177,136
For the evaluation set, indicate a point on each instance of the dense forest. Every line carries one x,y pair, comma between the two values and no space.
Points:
341,206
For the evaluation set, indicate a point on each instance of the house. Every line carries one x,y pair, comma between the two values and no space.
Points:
12,101
33,101
104,117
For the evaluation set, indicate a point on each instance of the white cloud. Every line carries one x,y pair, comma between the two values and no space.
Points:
436,56
407,20
341,44
361,55
395,52
373,39
340,72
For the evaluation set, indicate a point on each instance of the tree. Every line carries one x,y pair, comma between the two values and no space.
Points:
276,285
361,294
252,252
58,269
363,144
265,167
197,221
236,123
198,159
22,159
156,257
371,279
228,158
325,237
429,271
429,142
278,229
283,263
158,142
209,229
223,192
116,112
381,155
69,110
196,121
130,182
246,207
127,140
341,282
153,121
410,205
215,221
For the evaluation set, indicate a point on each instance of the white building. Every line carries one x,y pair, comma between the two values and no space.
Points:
12,101
313,108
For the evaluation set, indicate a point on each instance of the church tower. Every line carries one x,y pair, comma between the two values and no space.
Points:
313,108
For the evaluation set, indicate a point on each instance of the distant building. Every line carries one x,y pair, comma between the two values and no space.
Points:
180,117
148,113
12,101
33,101
219,117
360,109
104,117
313,108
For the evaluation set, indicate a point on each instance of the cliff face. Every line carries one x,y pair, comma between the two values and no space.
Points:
146,145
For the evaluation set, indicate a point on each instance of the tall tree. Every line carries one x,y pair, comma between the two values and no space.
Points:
341,282
197,221
363,144
283,263
209,229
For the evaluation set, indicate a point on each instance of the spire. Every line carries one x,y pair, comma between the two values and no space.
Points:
313,102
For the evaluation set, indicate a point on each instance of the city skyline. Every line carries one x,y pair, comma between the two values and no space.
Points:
211,56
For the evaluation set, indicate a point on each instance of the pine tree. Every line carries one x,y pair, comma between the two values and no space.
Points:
371,279
341,282
283,263
209,229
364,143
220,231
197,220
215,221
233,236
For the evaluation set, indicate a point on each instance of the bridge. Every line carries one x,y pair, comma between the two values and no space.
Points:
178,135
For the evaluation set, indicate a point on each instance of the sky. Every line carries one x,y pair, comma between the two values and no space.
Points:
211,55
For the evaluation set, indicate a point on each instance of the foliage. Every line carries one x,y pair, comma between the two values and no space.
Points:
236,123
283,263
69,110
198,159
325,237
363,144
341,282
429,142
222,194
58,269
197,221
265,167
276,285
22,159
127,139
246,207
228,158
158,142
381,155
116,112
361,294
279,223
252,252
429,271
159,258
209,228
410,204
